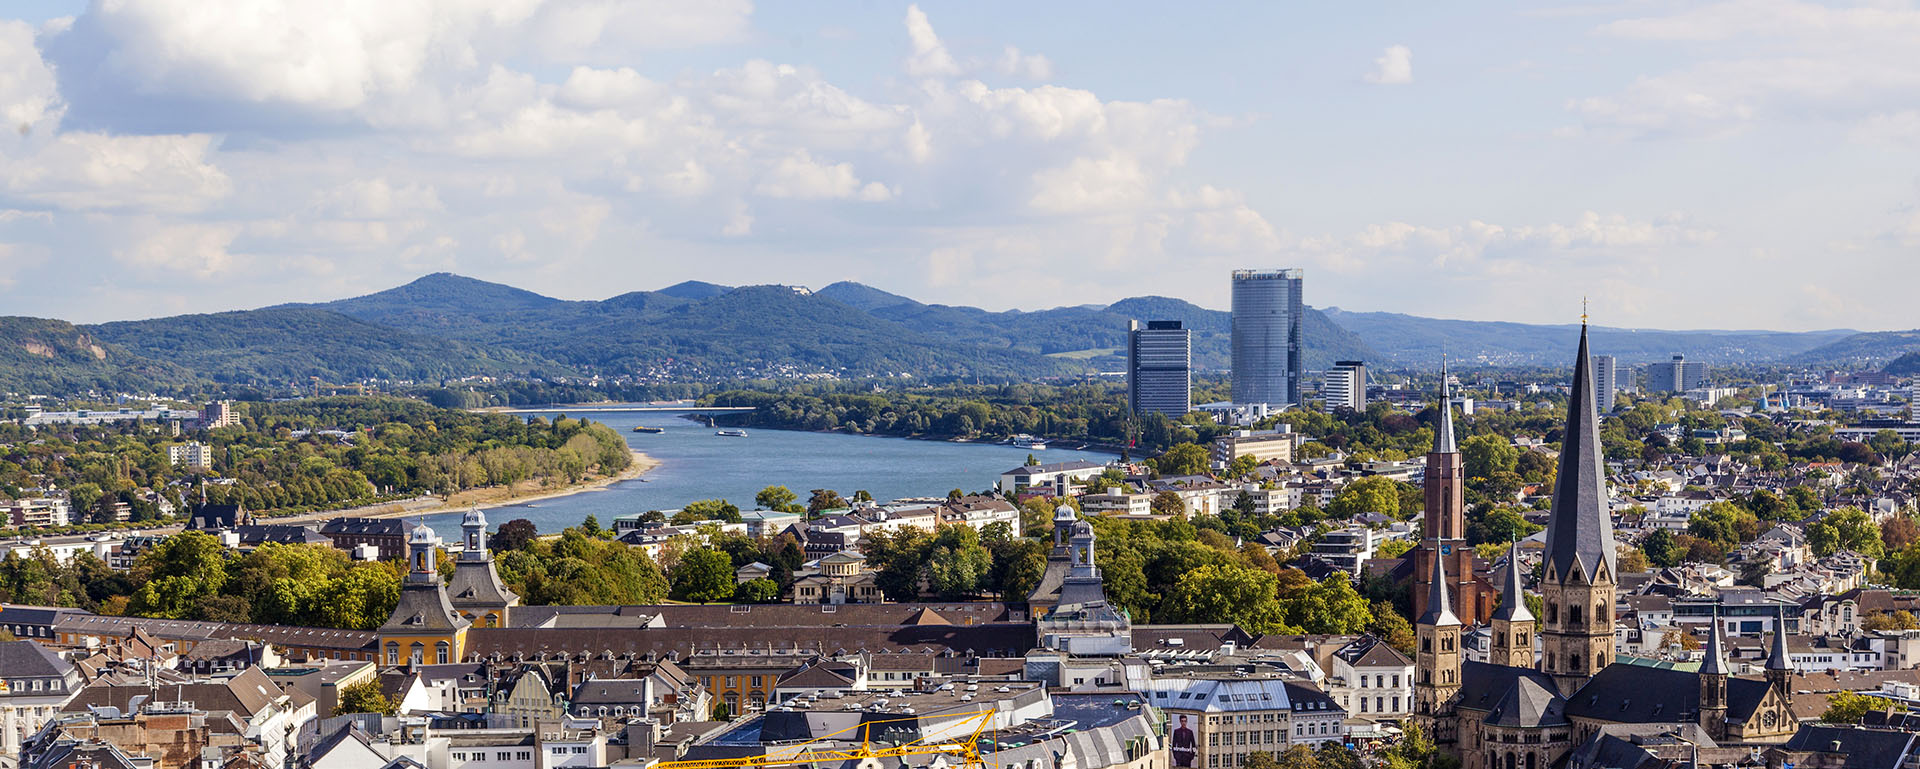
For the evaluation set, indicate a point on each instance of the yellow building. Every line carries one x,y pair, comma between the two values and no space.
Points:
424,629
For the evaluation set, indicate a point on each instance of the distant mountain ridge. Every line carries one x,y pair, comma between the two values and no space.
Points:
444,325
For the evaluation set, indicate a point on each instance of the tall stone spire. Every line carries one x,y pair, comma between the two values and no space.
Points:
1443,431
1439,608
1510,640
1576,638
1580,529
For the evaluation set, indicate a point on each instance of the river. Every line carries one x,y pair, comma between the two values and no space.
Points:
696,464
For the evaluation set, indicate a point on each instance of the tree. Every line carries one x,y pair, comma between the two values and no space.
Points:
1894,620
1242,466
721,712
1226,593
1168,503
364,697
1661,549
761,590
898,559
516,534
1848,528
957,565
1849,707
1372,494
709,510
1485,455
1394,548
1725,524
1183,459
1631,561
1898,532
1331,607
777,498
703,575
1500,525
1392,627
824,499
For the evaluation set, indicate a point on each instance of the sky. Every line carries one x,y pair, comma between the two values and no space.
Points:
1733,164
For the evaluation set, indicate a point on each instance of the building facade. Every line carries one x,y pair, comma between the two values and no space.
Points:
1606,381
1266,336
1159,368
1676,376
1345,386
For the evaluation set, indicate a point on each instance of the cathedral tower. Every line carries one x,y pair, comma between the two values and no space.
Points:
1512,627
1779,665
1576,637
1445,536
1437,658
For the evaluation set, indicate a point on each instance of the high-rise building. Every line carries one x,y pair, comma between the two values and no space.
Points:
1676,376
1159,367
1266,336
1605,381
1345,386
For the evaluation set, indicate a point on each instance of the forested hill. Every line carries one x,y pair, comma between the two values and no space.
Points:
443,325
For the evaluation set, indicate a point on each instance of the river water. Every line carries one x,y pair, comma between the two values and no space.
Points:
696,464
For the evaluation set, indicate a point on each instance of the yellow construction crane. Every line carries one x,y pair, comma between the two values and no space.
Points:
967,749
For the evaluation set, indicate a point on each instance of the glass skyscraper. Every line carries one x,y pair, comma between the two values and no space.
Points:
1266,336
1159,367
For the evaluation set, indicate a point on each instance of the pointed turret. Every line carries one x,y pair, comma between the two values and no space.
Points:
1715,661
1513,599
1510,640
1580,531
1439,608
1713,683
1778,660
1443,431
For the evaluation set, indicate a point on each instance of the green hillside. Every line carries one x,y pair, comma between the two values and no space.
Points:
38,355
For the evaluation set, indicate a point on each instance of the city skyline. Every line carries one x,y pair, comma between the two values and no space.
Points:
1456,163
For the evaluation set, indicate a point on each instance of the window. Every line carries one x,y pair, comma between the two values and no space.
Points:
524,755
1363,704
419,656
440,650
1396,680
756,682
733,681
1377,704
393,653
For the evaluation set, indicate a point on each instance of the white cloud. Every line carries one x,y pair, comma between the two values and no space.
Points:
1032,66
930,57
198,250
1749,61
800,177
1394,67
92,171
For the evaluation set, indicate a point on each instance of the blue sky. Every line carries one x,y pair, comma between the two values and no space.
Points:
1747,163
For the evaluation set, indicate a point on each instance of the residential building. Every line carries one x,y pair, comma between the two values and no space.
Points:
1159,368
1264,446
1372,680
388,535
1267,345
218,414
34,683
1345,386
39,512
1676,376
192,454
1047,480
1606,373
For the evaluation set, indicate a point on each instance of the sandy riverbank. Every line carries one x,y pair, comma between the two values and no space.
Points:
484,498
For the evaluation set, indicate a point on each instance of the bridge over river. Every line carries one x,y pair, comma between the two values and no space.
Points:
646,409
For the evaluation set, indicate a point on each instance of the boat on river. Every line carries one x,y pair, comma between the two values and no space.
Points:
731,433
646,429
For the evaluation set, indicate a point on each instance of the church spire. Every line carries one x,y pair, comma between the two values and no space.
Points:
1715,662
1580,530
1513,599
1439,608
1778,660
1443,432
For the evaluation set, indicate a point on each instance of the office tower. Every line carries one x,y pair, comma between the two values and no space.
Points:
1605,381
1266,336
1676,376
1159,367
1345,386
